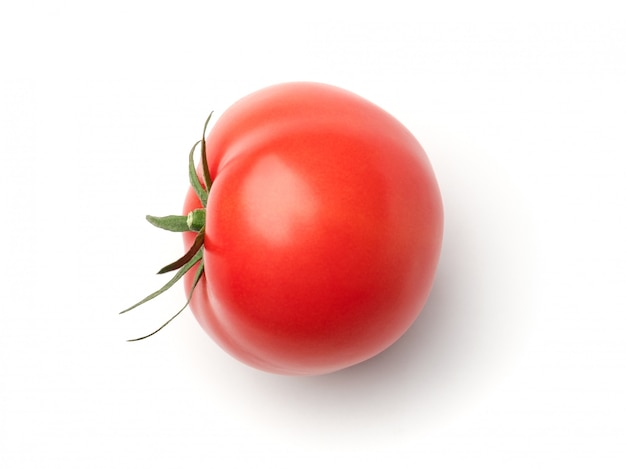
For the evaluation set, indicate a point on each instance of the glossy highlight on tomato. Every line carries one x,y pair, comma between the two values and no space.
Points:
323,230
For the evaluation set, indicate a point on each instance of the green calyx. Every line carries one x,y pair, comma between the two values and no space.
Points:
194,221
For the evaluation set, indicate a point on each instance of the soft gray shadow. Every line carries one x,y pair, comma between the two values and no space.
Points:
463,341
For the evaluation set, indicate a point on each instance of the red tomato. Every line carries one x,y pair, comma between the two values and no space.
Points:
323,230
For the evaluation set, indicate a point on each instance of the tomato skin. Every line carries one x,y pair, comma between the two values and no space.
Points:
324,227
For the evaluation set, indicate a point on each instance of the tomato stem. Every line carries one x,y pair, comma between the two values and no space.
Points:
196,219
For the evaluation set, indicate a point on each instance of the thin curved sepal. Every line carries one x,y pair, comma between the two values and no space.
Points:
205,165
200,191
175,223
197,258
193,250
196,279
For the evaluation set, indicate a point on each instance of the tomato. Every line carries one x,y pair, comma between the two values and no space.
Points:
323,230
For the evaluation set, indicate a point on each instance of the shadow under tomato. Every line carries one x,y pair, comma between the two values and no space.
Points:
464,341
466,338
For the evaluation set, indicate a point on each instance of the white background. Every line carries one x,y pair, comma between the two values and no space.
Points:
519,358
